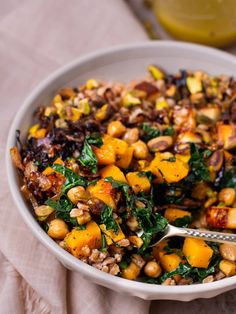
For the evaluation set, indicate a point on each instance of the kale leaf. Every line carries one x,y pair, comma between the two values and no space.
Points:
108,220
62,210
119,185
87,157
184,269
229,179
198,274
94,139
183,222
149,132
169,131
72,178
198,168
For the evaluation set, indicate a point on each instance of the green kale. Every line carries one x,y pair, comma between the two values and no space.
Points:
229,179
87,157
72,178
184,269
198,274
183,222
198,165
155,281
169,131
149,132
119,185
94,139
108,220
62,210
150,222
104,243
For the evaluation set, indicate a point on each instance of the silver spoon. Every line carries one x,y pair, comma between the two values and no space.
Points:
213,236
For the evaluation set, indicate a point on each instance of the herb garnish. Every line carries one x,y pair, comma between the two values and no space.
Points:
87,157
149,132
72,178
108,220
62,210
229,179
183,222
198,168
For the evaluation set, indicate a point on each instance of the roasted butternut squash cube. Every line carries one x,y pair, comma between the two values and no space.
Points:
138,183
197,252
77,239
111,236
124,160
114,172
120,146
105,154
172,169
227,136
169,261
171,214
159,247
227,267
103,191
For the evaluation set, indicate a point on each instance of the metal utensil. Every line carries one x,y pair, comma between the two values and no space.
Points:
213,236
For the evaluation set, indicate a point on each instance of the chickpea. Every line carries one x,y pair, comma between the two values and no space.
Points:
140,150
77,194
132,223
58,229
131,272
152,269
116,129
228,251
131,136
227,196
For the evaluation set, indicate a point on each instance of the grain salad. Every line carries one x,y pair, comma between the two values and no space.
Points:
105,160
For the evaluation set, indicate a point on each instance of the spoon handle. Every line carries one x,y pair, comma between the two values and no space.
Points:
206,235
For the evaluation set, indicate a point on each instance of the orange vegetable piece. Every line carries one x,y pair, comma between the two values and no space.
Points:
103,191
105,154
77,239
124,160
169,261
138,183
171,214
114,172
197,252
172,171
119,145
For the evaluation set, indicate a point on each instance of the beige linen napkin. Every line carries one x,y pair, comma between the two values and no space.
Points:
37,37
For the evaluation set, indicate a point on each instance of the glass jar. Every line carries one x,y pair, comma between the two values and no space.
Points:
210,22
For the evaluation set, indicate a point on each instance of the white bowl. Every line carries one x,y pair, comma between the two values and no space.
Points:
122,63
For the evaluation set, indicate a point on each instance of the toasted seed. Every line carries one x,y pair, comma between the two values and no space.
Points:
216,160
160,143
76,212
43,210
208,279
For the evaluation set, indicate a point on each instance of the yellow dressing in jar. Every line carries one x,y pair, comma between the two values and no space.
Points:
211,22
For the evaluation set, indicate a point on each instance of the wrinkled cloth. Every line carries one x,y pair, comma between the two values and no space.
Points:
37,37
